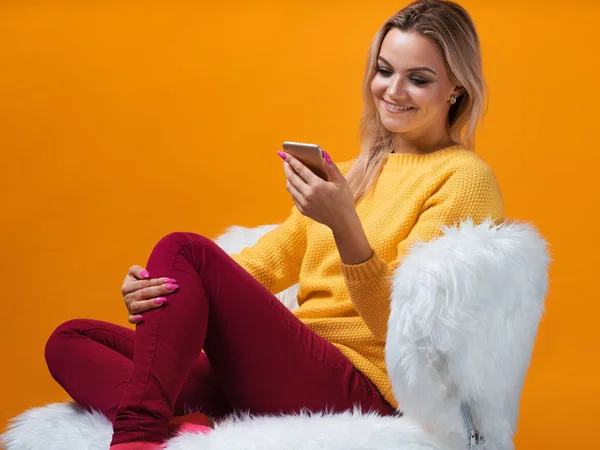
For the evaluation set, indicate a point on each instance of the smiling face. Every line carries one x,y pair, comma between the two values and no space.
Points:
411,88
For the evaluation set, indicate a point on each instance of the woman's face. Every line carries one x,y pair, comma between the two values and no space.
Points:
411,88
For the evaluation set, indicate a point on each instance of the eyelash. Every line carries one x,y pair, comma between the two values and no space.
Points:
418,81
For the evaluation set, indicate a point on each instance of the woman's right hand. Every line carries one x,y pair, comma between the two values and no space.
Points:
142,293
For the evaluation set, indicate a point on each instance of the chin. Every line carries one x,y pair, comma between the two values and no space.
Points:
395,126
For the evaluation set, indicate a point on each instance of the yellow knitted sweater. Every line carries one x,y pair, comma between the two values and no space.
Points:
349,304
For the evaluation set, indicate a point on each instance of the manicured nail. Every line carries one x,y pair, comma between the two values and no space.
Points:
281,155
160,300
170,280
138,318
327,157
172,287
144,274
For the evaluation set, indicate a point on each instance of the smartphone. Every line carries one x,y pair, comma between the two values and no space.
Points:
310,155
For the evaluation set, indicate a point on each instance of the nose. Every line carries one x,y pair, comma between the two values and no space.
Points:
396,88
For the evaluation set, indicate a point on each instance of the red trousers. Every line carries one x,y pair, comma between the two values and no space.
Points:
258,356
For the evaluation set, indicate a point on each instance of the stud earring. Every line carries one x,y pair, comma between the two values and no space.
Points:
452,99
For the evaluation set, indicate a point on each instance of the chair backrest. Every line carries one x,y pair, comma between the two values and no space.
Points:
465,311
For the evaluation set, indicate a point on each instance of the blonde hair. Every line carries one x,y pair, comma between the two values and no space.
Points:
451,27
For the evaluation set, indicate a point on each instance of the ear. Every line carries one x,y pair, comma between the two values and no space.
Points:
458,91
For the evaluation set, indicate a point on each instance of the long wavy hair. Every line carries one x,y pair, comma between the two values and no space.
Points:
449,25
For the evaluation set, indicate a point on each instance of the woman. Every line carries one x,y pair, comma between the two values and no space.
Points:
213,336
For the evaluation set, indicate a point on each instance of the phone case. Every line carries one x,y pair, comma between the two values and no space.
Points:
310,155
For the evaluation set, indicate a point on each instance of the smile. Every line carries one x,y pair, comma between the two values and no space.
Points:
396,108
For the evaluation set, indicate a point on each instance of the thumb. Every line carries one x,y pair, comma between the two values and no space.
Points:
332,169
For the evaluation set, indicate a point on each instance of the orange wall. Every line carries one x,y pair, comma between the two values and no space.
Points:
120,123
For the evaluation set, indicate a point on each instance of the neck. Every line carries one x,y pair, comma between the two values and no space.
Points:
428,142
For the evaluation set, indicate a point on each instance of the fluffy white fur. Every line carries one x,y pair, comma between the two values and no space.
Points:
464,315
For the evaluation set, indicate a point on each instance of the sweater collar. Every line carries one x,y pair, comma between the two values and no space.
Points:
396,161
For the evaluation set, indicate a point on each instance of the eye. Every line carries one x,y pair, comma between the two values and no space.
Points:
419,81
384,72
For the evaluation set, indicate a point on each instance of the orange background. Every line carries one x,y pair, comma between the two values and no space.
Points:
121,122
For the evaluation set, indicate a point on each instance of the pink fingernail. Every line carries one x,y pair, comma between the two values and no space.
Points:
172,287
138,318
327,157
170,280
281,155
144,274
160,300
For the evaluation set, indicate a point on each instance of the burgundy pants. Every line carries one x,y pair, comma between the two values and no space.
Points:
258,356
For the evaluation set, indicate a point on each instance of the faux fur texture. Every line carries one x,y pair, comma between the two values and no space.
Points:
464,315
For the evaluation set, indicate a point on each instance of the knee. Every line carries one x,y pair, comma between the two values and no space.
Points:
179,239
56,345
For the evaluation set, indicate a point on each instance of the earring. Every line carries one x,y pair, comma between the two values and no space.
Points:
452,99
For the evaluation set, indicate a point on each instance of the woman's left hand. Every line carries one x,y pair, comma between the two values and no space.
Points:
328,202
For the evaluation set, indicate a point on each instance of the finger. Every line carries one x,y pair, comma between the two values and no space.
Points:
138,272
146,305
135,319
332,169
130,286
151,292
298,199
299,207
295,180
304,172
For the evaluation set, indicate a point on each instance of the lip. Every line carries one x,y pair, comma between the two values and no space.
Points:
394,111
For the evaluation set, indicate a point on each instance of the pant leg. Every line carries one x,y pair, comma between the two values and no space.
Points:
92,361
267,360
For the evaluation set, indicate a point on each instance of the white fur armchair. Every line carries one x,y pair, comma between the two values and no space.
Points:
465,310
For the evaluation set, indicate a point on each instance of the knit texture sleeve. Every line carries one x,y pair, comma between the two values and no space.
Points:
276,258
469,192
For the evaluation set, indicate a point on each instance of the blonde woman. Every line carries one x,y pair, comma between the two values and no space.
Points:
210,334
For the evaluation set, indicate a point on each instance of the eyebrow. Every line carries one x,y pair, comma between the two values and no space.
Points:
412,69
